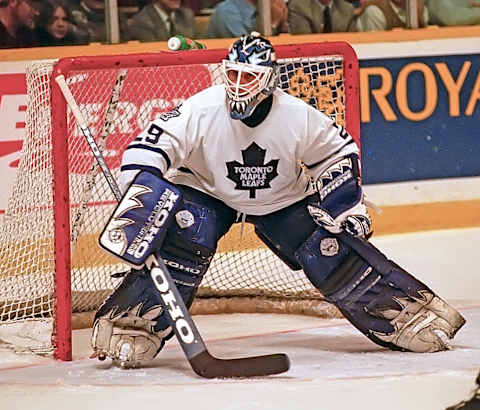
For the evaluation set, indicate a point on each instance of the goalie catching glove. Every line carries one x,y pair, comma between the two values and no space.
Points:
338,204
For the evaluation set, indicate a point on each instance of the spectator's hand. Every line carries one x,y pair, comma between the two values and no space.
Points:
279,15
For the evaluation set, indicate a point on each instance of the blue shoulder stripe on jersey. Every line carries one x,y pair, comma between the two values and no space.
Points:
150,148
134,167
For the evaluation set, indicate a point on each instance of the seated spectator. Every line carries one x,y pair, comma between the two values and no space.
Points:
380,15
55,25
17,21
89,22
161,20
454,12
319,16
233,18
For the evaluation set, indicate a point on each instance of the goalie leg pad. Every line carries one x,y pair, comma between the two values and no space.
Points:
133,312
393,310
191,241
188,249
131,315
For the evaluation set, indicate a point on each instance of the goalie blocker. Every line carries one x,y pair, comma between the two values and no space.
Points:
134,242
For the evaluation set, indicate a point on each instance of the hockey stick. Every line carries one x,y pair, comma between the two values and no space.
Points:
189,338
92,173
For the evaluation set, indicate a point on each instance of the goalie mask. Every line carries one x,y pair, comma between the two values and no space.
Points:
250,74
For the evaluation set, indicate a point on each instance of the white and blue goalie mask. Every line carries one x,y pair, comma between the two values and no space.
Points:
250,74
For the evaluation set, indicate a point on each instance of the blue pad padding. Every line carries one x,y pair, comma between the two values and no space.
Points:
365,296
189,248
139,223
136,294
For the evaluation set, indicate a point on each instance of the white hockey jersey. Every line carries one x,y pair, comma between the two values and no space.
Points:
253,170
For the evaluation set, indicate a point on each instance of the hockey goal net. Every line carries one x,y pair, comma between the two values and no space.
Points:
50,264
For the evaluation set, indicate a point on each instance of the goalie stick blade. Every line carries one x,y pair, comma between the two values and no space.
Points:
205,365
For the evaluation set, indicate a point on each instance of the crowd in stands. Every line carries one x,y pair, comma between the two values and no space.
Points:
30,23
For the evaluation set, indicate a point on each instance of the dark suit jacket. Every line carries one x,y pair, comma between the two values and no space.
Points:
25,38
147,25
306,16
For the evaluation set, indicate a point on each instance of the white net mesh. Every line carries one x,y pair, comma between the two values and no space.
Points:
27,274
27,280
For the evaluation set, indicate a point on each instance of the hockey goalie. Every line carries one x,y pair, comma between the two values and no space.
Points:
243,151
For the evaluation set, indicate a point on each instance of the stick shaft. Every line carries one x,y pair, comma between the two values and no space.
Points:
88,136
92,172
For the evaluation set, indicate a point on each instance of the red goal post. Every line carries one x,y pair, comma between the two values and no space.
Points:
59,188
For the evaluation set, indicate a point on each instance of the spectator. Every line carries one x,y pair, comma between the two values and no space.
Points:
378,15
234,18
55,25
17,21
162,19
89,22
454,12
319,16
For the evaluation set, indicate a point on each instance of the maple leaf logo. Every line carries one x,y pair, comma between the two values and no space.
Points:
253,174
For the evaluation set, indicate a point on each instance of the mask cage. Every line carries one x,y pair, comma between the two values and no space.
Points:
238,91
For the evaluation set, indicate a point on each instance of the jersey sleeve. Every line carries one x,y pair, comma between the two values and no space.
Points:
325,143
163,144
